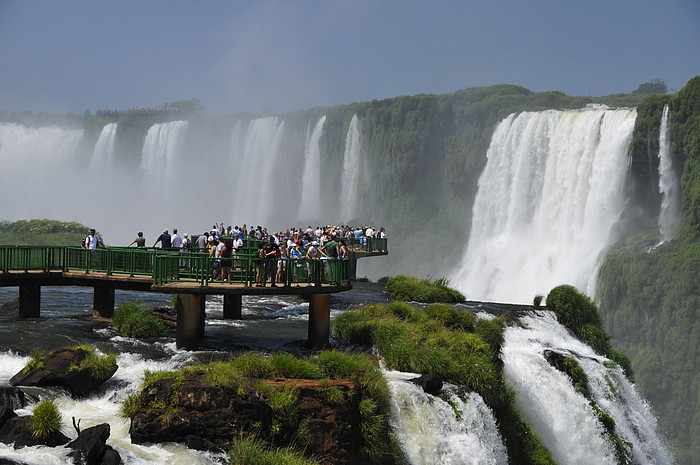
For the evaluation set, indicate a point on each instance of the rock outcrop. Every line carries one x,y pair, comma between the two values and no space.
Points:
59,369
90,447
18,431
207,416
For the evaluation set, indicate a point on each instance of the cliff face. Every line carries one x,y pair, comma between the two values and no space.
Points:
651,300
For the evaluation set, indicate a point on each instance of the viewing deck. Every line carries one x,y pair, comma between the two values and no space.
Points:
189,274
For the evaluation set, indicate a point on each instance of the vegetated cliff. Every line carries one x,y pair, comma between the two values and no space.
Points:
651,297
423,155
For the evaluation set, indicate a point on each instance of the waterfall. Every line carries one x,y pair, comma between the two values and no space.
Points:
434,431
560,415
547,203
311,179
160,162
254,157
670,215
103,154
350,191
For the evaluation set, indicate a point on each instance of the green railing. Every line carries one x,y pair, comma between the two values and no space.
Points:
166,266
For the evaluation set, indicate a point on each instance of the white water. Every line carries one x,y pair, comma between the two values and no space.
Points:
562,417
547,204
102,159
102,407
351,171
311,179
430,432
162,163
670,215
253,175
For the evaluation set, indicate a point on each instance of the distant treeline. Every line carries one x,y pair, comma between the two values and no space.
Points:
42,232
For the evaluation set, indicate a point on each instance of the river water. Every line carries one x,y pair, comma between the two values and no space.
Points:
269,323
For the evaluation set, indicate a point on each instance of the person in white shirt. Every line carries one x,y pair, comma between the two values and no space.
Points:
175,240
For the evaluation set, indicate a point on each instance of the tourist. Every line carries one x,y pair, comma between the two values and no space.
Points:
225,254
92,241
260,265
140,241
343,251
202,241
330,248
175,240
282,263
237,242
272,254
164,240
186,241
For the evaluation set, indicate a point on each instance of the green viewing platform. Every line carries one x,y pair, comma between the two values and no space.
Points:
187,273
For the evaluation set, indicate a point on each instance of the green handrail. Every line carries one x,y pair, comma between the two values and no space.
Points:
166,266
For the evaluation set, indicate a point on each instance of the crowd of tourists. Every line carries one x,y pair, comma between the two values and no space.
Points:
273,249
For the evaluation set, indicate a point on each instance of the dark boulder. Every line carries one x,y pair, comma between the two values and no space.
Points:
432,384
59,370
18,430
12,397
111,457
5,414
90,445
197,443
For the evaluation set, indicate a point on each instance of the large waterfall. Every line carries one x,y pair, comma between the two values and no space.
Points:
351,171
548,203
562,417
311,179
669,188
103,155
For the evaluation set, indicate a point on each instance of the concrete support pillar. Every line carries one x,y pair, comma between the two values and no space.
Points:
233,306
352,266
190,321
30,300
103,300
319,320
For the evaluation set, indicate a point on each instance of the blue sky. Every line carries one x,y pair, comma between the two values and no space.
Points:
280,55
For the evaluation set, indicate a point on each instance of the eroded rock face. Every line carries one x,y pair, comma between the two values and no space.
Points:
210,417
57,371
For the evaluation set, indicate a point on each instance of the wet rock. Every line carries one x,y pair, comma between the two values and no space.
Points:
432,384
90,445
10,308
5,414
18,430
58,370
12,397
111,457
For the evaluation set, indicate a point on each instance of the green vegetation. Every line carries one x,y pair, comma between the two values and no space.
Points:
650,300
46,419
42,232
37,355
249,450
132,319
404,287
101,367
453,344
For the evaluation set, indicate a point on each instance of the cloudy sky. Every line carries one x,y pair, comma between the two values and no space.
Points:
280,55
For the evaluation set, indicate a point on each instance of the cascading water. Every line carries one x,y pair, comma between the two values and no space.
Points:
254,158
311,179
562,417
160,161
432,431
351,171
670,215
103,154
547,204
